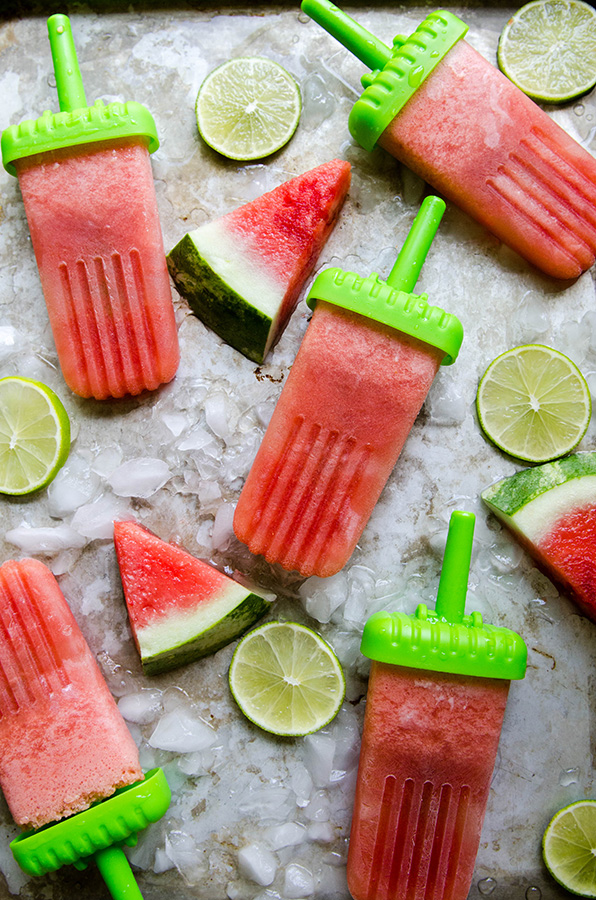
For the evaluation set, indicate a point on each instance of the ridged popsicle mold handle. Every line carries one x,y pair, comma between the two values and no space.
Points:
424,641
76,124
375,299
76,840
413,59
446,640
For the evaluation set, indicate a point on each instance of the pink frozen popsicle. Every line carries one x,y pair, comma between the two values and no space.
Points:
86,182
361,375
436,698
63,742
437,105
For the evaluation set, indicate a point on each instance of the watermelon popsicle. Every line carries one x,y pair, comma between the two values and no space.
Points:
437,105
358,382
63,744
435,704
86,181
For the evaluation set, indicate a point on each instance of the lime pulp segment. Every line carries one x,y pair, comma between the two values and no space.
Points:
534,403
569,847
248,108
34,435
548,49
286,679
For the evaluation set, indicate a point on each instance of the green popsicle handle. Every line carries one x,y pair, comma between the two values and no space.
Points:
453,583
69,83
405,272
117,874
357,39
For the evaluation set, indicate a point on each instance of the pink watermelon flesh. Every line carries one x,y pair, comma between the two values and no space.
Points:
352,396
180,608
569,552
538,195
289,225
63,743
427,757
242,273
97,239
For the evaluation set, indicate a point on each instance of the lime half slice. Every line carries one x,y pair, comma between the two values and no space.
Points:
569,847
286,679
248,108
548,49
34,435
534,403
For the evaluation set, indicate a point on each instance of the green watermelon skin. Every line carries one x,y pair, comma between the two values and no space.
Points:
180,608
239,619
242,273
219,306
551,509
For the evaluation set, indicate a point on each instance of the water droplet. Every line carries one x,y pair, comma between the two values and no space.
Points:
415,76
579,109
569,776
51,80
486,886
533,893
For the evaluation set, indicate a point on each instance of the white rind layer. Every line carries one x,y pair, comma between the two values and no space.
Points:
179,627
231,256
537,518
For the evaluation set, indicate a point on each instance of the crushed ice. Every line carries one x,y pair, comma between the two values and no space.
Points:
197,444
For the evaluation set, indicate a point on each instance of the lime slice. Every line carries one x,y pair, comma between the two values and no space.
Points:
569,847
248,108
34,435
548,49
534,403
286,679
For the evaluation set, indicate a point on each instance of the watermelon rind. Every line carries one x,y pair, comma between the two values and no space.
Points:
190,636
530,501
231,315
539,506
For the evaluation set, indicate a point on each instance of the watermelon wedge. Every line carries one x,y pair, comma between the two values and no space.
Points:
551,509
179,607
242,273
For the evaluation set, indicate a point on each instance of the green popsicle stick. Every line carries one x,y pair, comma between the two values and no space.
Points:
117,875
354,37
444,639
69,83
98,834
405,272
76,125
392,302
453,583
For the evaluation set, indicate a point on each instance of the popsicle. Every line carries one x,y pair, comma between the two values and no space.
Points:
436,699
357,384
63,744
86,181
442,109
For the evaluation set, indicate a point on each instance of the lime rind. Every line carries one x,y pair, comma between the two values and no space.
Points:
286,679
548,49
248,108
569,847
34,435
533,403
